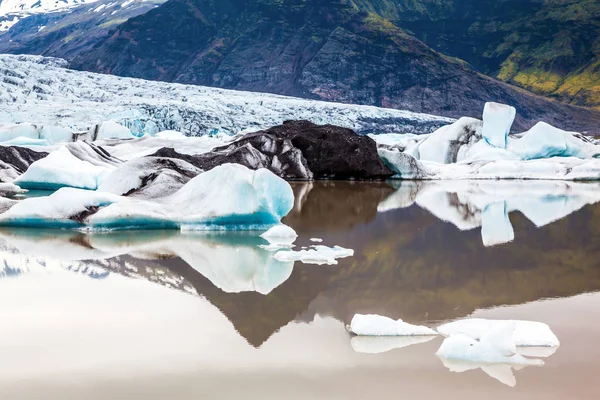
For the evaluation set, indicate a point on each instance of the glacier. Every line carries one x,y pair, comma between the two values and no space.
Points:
227,197
147,107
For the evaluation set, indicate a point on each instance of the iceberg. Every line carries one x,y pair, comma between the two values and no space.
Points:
525,333
497,121
62,169
148,177
227,197
474,149
315,255
495,353
377,325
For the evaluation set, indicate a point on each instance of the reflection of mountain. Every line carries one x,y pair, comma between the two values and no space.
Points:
335,205
408,264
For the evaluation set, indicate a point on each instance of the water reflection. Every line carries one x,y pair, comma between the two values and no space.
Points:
473,204
408,264
233,262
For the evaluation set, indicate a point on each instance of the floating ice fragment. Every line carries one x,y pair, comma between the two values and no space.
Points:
278,232
526,333
316,255
377,325
316,240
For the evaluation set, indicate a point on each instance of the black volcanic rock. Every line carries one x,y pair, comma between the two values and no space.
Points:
298,150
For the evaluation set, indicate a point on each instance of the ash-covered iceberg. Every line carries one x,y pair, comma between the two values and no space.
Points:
227,197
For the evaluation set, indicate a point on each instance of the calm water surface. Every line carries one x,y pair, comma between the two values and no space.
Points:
160,315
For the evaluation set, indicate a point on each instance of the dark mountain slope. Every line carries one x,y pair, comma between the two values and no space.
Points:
551,47
322,49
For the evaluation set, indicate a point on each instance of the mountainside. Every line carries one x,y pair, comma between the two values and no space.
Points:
11,11
330,50
68,32
551,47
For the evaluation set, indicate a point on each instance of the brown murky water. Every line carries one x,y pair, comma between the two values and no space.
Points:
159,315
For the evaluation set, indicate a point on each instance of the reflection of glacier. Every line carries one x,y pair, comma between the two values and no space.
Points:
232,262
473,204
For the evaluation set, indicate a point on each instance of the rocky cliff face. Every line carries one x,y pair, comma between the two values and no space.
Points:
329,50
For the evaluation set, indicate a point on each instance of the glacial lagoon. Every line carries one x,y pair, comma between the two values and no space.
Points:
161,314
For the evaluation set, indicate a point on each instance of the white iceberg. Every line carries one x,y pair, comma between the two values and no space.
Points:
526,333
279,237
62,169
108,130
227,197
474,149
315,255
494,352
377,325
497,121
280,232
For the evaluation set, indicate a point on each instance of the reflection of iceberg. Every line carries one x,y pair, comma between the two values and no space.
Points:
472,204
232,262
382,344
501,372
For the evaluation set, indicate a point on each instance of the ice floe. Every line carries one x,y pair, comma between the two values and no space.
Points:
489,346
316,254
524,333
377,325
227,197
62,169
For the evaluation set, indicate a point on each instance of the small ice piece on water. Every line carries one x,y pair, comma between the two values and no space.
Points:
279,237
10,189
495,347
316,240
279,232
377,325
497,121
382,344
526,334
316,255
